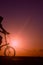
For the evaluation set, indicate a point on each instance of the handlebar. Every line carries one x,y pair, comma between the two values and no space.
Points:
4,32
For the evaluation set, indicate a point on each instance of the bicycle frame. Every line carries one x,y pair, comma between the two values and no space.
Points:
7,47
5,42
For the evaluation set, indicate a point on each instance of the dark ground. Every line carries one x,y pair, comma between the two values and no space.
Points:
20,60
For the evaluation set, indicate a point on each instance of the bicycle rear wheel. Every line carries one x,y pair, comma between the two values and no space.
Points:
9,51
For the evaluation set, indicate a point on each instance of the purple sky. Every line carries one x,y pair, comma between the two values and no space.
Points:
24,17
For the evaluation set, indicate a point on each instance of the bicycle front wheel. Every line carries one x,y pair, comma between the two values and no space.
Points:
9,51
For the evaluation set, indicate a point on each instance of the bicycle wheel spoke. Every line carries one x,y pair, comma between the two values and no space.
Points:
9,51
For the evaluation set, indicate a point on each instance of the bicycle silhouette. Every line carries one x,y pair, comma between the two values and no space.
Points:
9,51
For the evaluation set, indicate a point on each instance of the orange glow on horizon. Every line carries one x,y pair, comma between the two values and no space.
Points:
21,47
15,42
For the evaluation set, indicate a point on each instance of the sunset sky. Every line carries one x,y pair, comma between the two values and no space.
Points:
24,20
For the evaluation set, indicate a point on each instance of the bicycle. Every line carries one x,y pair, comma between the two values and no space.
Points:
9,51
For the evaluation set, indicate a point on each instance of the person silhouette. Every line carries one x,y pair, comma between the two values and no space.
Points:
3,30
1,27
